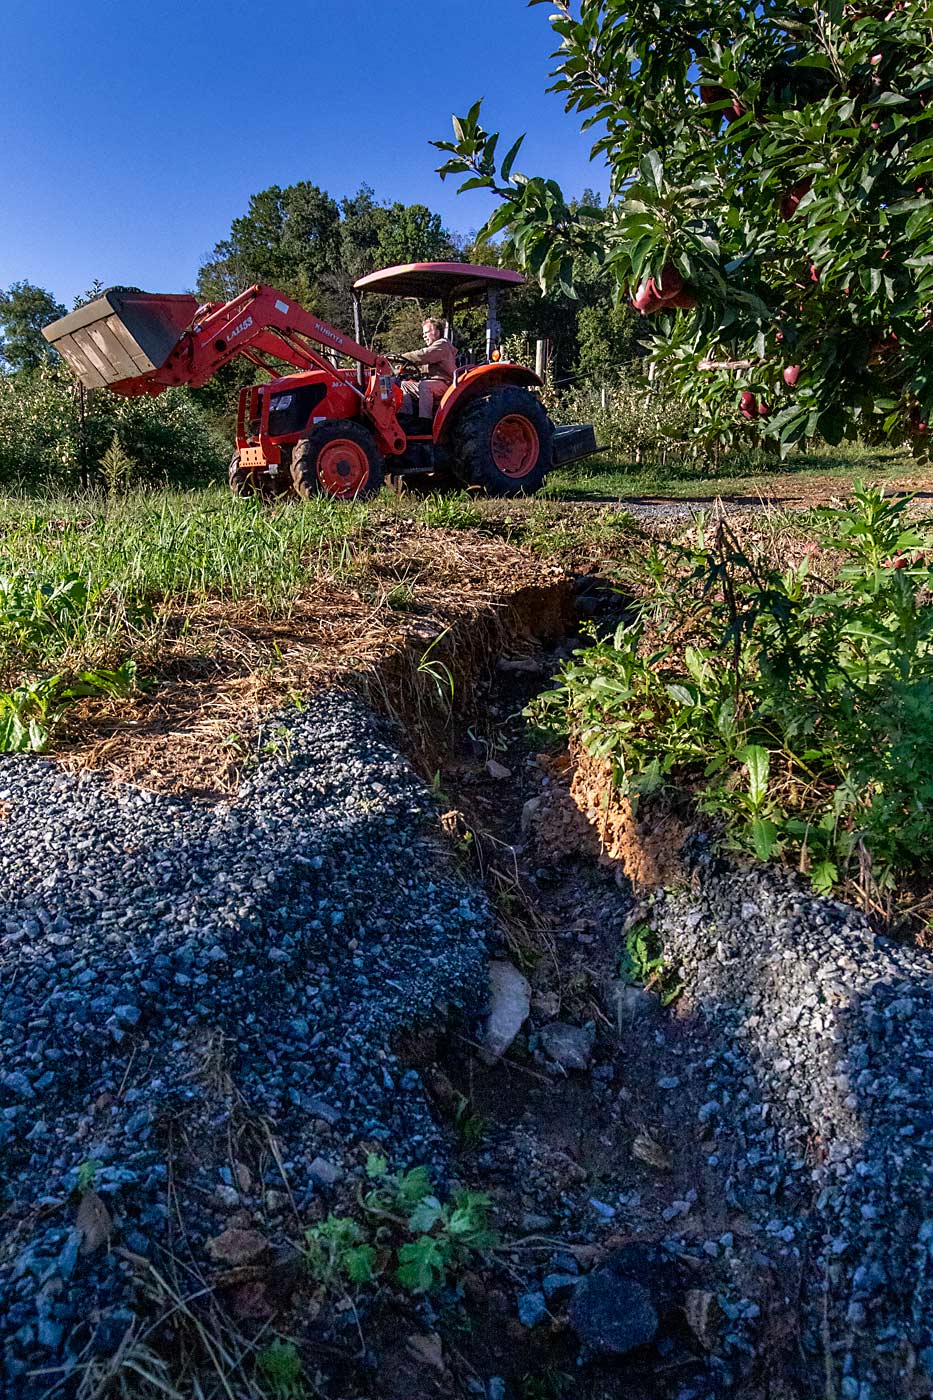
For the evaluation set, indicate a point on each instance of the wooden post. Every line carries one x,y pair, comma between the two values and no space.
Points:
540,358
602,396
84,475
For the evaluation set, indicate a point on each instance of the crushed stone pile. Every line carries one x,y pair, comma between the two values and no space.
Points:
820,1097
197,1009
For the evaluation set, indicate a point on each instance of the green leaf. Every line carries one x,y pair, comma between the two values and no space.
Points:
414,1186
824,875
653,169
757,762
422,1265
358,1263
510,158
425,1215
681,694
764,838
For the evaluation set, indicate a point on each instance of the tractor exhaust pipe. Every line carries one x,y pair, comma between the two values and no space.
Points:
124,335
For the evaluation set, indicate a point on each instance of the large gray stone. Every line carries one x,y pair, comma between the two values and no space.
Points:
509,1004
570,1046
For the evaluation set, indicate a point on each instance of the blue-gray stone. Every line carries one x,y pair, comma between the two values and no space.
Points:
532,1309
612,1314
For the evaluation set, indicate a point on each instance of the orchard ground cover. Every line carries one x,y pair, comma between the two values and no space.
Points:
789,698
150,633
752,478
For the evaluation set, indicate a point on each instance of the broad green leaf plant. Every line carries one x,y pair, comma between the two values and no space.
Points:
404,1230
797,709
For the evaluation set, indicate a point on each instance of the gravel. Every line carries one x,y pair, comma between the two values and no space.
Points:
190,992
820,1100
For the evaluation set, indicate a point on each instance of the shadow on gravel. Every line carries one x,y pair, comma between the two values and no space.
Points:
827,1083
196,1015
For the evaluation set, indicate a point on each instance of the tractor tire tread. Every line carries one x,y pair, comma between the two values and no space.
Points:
473,434
305,452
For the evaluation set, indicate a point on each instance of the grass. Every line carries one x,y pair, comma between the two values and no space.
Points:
185,609
750,474
135,552
115,566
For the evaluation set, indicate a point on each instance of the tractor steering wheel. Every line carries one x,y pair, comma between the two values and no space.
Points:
411,368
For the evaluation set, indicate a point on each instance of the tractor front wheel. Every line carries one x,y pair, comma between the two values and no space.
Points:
244,482
504,443
337,459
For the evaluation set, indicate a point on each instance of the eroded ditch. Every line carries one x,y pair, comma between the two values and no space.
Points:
657,1175
752,1162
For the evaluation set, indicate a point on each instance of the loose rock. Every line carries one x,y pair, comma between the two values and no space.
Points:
510,1002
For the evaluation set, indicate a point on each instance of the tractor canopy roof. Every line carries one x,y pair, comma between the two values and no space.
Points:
442,281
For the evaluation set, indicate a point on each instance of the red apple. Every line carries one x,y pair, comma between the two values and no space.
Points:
790,200
748,405
670,284
711,93
653,296
791,375
685,300
764,409
645,297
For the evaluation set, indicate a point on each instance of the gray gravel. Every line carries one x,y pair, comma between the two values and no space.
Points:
234,974
821,1101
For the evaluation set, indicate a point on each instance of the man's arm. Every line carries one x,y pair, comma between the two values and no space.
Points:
428,354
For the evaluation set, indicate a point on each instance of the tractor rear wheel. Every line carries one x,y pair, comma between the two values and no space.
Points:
504,443
338,459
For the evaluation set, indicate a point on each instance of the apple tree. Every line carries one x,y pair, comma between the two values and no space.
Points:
771,167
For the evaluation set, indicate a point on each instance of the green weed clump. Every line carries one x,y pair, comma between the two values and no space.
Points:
642,964
404,1231
279,1371
797,709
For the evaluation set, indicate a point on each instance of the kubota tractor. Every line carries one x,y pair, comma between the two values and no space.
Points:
328,429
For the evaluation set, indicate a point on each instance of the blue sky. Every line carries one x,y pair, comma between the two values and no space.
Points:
135,132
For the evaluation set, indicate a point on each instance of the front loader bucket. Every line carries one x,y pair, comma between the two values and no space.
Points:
125,334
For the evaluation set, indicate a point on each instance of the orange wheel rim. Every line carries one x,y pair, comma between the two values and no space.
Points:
515,446
342,468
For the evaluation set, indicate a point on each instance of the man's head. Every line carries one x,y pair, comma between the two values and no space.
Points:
432,330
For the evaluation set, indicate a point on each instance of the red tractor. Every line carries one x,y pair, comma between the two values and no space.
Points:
329,429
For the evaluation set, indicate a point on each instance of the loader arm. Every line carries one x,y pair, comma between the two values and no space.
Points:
102,340
259,319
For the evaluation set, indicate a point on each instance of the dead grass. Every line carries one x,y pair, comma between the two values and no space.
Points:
221,666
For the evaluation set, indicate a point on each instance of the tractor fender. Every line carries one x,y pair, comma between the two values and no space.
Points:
473,383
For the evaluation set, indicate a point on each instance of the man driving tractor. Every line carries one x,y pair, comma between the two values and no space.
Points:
423,395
